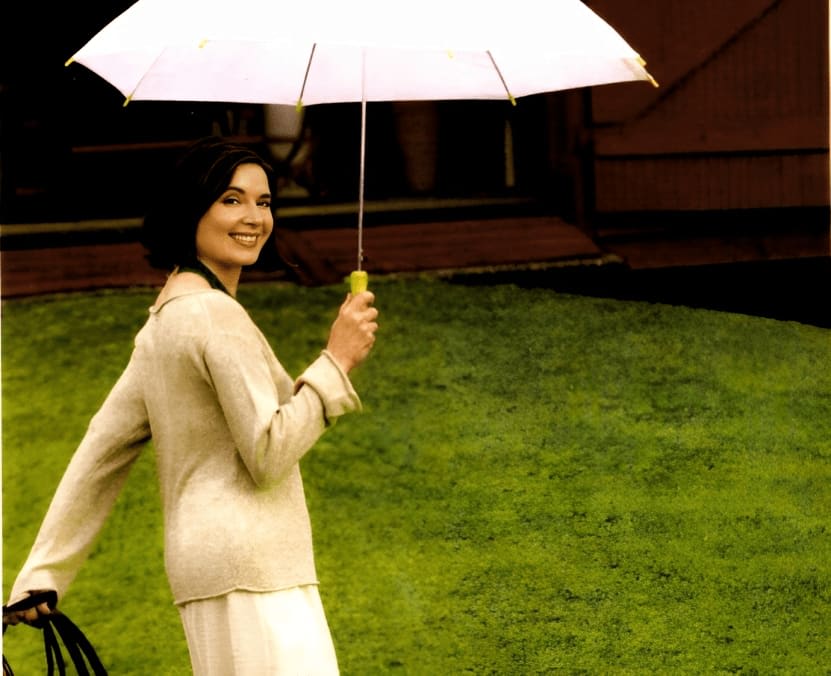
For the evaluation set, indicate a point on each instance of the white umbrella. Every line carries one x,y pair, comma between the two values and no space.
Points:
325,51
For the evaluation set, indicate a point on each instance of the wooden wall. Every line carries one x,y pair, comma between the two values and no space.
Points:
740,120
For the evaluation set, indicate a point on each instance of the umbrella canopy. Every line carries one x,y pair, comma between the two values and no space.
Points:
327,51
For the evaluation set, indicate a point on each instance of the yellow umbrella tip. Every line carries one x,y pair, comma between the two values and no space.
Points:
69,61
642,63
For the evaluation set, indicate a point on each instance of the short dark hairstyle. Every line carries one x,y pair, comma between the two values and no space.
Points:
196,181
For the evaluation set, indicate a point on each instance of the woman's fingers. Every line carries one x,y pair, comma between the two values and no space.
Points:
362,307
28,616
363,299
353,333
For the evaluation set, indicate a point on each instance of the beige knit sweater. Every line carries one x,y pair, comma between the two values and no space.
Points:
229,426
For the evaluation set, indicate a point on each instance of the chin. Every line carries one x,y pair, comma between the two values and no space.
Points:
248,259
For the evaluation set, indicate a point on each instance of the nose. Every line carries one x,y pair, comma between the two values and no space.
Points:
253,215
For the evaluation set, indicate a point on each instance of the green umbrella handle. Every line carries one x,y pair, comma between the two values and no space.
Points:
358,281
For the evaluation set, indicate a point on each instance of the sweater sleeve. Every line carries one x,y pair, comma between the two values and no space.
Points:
88,489
271,437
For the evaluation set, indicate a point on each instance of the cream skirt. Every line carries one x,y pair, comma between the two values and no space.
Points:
260,634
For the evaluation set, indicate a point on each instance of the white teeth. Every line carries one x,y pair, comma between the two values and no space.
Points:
244,239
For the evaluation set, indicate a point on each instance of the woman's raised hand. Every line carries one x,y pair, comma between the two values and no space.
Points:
353,332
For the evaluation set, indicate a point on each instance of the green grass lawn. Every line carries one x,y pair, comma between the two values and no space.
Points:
540,483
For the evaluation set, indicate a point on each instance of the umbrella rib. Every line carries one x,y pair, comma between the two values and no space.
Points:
306,76
129,97
504,84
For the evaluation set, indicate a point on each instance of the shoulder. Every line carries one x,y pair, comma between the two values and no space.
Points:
227,314
207,325
198,301
203,311
220,307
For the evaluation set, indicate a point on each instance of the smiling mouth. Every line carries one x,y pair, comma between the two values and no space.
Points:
244,239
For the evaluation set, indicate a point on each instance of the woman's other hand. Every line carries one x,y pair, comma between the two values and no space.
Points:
353,332
31,615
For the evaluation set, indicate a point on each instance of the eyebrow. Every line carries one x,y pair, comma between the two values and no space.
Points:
234,188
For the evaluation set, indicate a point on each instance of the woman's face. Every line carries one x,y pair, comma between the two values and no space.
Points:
232,232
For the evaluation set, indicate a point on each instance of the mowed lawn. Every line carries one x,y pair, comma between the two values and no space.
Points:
539,483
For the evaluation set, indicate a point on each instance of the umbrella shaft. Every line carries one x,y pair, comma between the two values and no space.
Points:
362,165
361,186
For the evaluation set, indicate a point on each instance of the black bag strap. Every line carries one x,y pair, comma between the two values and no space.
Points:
56,625
79,647
53,651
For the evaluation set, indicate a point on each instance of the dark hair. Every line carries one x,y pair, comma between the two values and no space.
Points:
196,181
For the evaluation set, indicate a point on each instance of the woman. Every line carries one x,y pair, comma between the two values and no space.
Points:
229,426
